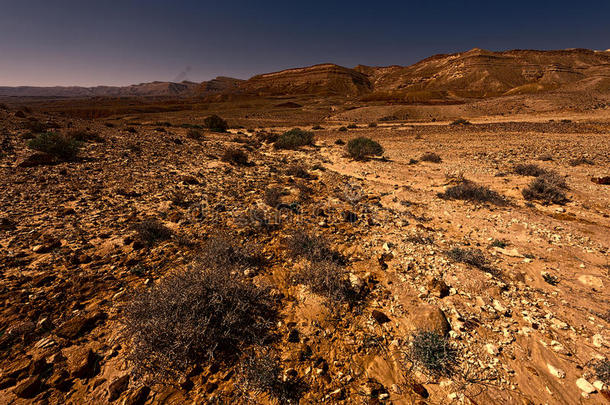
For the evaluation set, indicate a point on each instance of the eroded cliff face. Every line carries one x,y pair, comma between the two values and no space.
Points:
479,73
318,79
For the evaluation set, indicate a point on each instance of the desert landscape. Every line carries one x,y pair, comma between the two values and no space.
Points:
437,233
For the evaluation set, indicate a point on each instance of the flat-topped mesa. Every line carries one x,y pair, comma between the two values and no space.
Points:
326,79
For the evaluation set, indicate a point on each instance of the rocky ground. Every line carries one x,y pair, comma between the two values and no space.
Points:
528,321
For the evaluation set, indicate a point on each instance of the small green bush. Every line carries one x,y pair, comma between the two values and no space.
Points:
294,138
362,148
216,124
55,144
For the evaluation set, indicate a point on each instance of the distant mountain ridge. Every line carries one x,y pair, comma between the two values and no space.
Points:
152,89
477,73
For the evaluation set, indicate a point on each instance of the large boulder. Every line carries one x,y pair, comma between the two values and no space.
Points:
431,318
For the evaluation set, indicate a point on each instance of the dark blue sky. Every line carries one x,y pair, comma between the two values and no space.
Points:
65,42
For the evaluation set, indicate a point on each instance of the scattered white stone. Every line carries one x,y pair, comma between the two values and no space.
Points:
557,372
585,386
598,340
492,349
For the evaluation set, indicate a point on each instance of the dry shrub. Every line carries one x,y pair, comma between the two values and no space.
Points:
236,157
297,170
547,188
470,191
312,247
433,353
194,316
263,374
35,126
529,169
431,157
581,161
305,192
221,251
82,135
216,124
602,370
272,196
327,279
151,231
195,134
473,257
460,121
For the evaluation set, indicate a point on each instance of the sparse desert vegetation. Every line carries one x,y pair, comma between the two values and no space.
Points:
152,253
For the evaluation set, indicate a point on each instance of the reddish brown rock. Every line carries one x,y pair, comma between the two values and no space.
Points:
438,288
82,363
37,159
79,325
380,317
117,387
428,317
137,397
29,387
